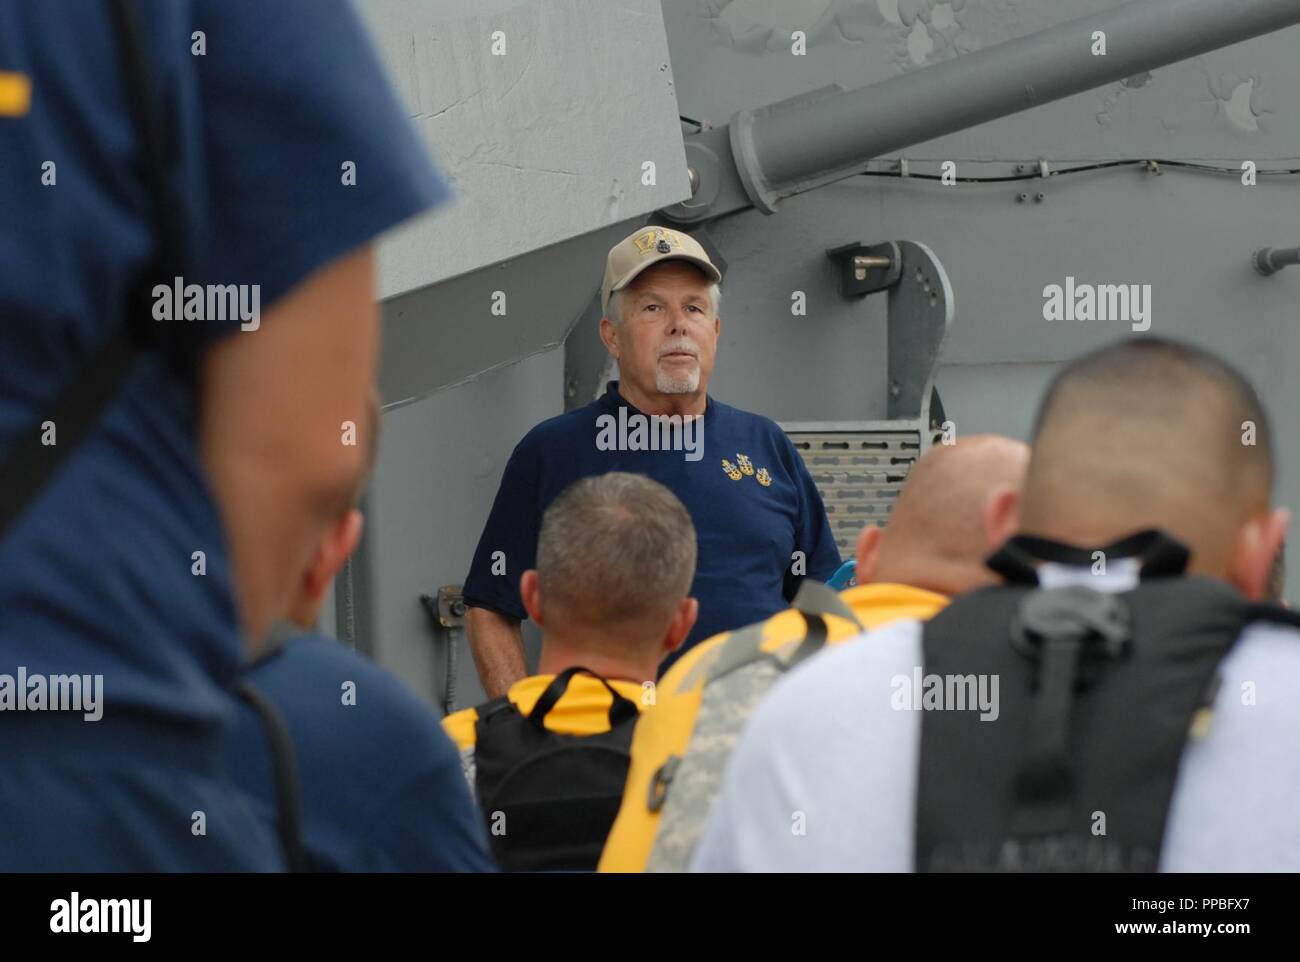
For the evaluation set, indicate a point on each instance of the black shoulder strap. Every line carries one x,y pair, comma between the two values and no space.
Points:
492,708
1267,611
744,646
1161,555
30,464
620,708
288,791
814,601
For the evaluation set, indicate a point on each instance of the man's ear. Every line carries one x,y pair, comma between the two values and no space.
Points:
338,544
352,527
531,596
683,621
1001,516
609,336
864,569
1257,544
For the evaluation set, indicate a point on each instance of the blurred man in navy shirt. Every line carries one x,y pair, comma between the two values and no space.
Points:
179,526
382,786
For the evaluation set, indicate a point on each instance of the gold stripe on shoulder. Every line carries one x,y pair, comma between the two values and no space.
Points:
15,94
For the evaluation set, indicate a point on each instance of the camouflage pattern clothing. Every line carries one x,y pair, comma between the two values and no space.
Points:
739,674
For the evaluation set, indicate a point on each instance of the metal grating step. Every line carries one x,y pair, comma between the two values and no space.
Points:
859,475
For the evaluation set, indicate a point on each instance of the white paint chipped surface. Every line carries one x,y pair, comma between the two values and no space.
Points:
734,54
539,145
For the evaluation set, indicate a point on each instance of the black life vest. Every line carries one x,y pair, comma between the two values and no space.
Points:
550,799
1097,695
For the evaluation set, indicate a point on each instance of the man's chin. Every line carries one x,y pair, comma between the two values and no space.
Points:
677,385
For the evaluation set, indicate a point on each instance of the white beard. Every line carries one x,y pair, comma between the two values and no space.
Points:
667,383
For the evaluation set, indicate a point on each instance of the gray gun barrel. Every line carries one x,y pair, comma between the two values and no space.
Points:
1270,260
797,145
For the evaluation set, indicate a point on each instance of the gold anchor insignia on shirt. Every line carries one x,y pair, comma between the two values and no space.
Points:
746,465
763,477
733,472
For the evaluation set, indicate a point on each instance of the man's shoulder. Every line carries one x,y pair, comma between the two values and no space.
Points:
689,670
562,429
748,421
314,652
824,738
836,677
692,669
1264,666
834,704
312,672
762,434
461,727
1279,640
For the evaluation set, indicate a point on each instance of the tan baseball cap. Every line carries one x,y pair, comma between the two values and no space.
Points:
650,245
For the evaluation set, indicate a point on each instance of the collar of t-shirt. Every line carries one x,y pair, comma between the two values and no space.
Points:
880,602
614,400
583,709
1119,574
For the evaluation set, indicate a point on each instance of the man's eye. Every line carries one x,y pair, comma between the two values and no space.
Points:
697,308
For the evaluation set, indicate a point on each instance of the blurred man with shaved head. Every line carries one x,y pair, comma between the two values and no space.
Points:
1154,434
1122,702
959,503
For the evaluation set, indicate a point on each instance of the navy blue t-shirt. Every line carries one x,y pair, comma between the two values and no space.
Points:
97,576
747,531
382,785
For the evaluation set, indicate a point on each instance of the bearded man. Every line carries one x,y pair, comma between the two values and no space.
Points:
760,522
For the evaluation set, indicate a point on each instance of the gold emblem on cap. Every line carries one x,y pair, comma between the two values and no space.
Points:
733,472
746,465
763,477
655,240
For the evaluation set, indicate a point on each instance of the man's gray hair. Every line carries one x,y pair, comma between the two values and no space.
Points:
615,312
615,549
